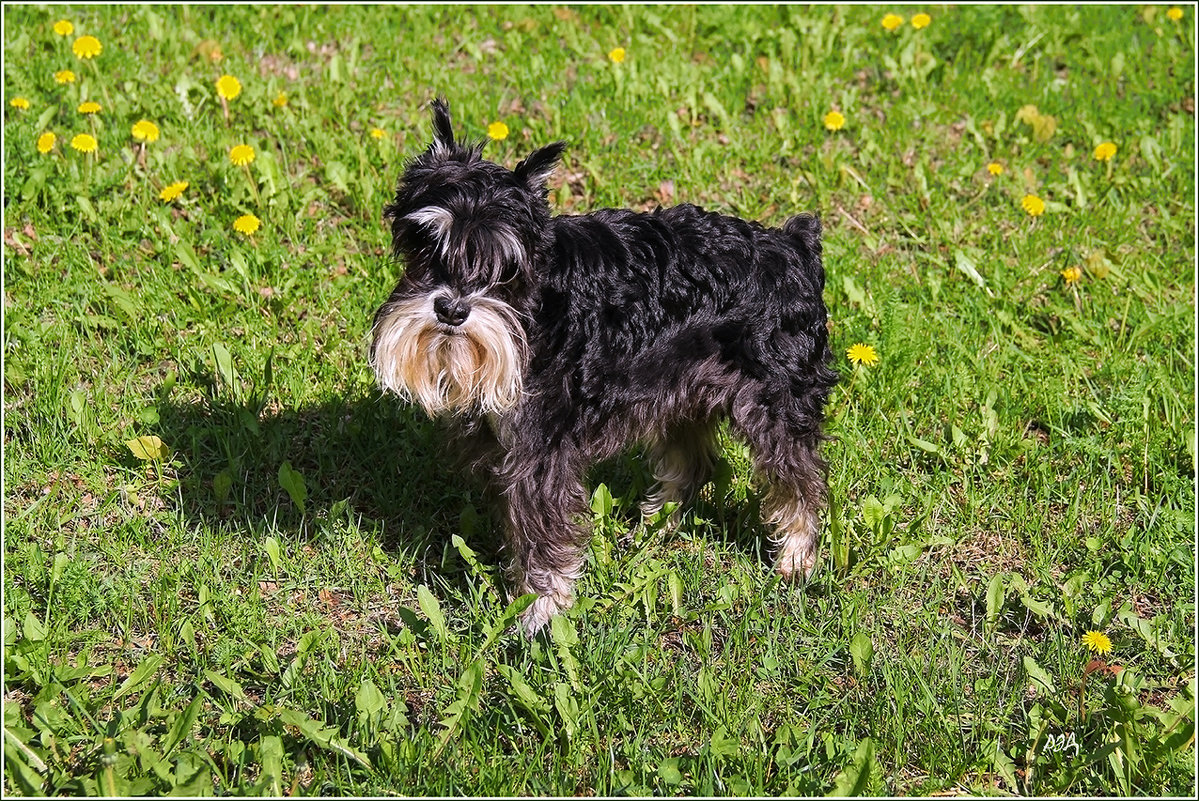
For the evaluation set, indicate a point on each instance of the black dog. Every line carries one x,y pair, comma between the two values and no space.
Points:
555,342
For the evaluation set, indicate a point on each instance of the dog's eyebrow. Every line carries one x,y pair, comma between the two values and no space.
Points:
439,219
508,244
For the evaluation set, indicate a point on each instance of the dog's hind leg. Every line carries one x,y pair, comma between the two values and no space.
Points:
787,459
793,508
681,463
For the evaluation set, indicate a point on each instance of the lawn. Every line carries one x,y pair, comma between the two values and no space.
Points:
232,566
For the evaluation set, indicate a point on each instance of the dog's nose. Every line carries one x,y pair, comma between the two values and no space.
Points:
451,311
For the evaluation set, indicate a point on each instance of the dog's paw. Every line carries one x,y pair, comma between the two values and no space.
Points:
665,514
796,563
535,618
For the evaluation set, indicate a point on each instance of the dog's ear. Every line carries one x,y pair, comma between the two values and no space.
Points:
535,170
443,129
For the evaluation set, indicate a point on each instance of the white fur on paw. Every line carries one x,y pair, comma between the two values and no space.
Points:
533,619
794,562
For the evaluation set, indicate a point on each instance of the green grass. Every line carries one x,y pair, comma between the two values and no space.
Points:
302,596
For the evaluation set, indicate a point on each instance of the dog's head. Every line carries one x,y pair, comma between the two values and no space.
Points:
467,230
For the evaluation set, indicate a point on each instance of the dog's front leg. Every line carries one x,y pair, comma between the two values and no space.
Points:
545,537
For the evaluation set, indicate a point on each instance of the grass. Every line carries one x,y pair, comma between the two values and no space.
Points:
294,593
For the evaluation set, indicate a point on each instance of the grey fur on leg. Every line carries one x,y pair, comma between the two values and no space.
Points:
544,537
682,462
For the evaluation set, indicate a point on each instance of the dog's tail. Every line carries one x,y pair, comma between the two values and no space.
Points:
804,230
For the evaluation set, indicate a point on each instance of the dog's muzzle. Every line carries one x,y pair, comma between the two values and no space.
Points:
450,354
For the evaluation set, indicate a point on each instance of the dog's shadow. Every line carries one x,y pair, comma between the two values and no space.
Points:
294,472
377,462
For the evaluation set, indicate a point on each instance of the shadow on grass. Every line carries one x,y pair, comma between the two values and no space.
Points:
370,461
377,464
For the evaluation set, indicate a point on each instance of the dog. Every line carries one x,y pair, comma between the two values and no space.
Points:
556,342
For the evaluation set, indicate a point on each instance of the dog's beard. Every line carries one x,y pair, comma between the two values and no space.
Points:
475,367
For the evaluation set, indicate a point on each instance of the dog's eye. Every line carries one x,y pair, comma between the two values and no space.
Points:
414,240
440,274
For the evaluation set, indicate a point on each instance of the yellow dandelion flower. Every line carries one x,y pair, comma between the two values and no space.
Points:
64,76
84,143
1104,151
1071,274
834,120
892,21
45,142
89,107
19,102
172,191
1097,641
1174,13
1033,205
378,133
241,155
921,21
145,131
995,168
247,224
228,87
616,55
86,47
497,131
862,354
280,100
64,28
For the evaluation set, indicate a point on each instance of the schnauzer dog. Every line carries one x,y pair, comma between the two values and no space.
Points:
555,342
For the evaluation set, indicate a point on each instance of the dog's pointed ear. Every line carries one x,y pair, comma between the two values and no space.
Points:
443,128
535,170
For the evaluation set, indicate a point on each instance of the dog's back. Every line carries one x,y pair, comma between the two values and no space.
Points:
625,279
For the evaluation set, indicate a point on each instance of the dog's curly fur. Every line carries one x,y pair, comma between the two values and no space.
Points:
556,342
